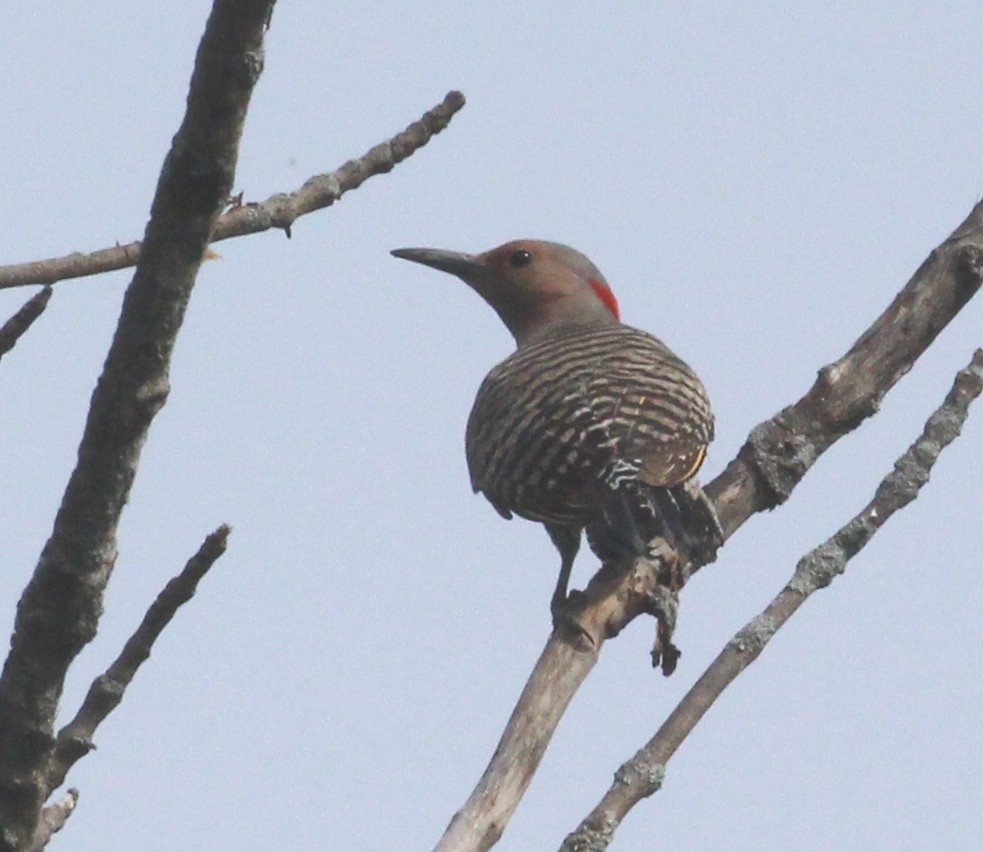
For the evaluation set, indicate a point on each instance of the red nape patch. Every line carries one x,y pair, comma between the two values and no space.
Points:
605,295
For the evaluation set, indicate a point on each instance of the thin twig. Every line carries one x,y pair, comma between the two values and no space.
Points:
12,329
53,819
777,454
75,739
643,774
59,611
278,211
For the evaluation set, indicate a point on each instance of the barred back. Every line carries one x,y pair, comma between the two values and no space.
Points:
560,423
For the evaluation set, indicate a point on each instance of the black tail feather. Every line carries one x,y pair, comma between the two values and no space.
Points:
638,513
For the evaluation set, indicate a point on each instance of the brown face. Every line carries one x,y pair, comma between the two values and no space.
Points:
541,272
522,282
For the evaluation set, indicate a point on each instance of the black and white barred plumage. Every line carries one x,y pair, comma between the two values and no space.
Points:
596,428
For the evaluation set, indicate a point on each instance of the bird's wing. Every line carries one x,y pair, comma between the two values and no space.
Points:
660,418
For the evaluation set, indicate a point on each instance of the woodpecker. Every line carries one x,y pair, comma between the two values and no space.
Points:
590,424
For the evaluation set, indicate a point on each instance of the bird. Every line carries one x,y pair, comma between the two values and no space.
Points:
590,425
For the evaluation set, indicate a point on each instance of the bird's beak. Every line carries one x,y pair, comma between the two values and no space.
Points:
457,263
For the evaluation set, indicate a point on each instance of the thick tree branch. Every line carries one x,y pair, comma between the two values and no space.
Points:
104,695
776,456
643,774
12,329
59,610
780,451
278,211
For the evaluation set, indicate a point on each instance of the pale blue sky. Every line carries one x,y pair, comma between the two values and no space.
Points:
755,185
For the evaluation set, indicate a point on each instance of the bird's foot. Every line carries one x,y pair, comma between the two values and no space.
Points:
665,654
567,607
566,611
664,605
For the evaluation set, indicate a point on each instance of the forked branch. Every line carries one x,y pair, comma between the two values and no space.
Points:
278,211
106,692
58,613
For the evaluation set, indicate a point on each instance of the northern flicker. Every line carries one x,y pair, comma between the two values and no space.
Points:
590,424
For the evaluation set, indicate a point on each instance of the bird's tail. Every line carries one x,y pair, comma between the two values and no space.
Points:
638,513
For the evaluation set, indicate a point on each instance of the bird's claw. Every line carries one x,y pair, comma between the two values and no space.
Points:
566,612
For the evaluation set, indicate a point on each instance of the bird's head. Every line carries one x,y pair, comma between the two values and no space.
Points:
538,288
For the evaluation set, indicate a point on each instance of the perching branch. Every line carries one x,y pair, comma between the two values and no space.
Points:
569,655
12,329
278,211
776,456
642,775
75,739
59,611
779,452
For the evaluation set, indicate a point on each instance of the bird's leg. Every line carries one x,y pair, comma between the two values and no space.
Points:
564,606
664,605
567,542
559,598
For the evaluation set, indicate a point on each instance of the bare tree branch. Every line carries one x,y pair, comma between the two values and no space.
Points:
53,819
780,451
643,774
59,611
278,211
776,456
20,322
106,692
611,599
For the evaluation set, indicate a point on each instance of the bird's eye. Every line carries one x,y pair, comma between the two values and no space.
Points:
520,258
